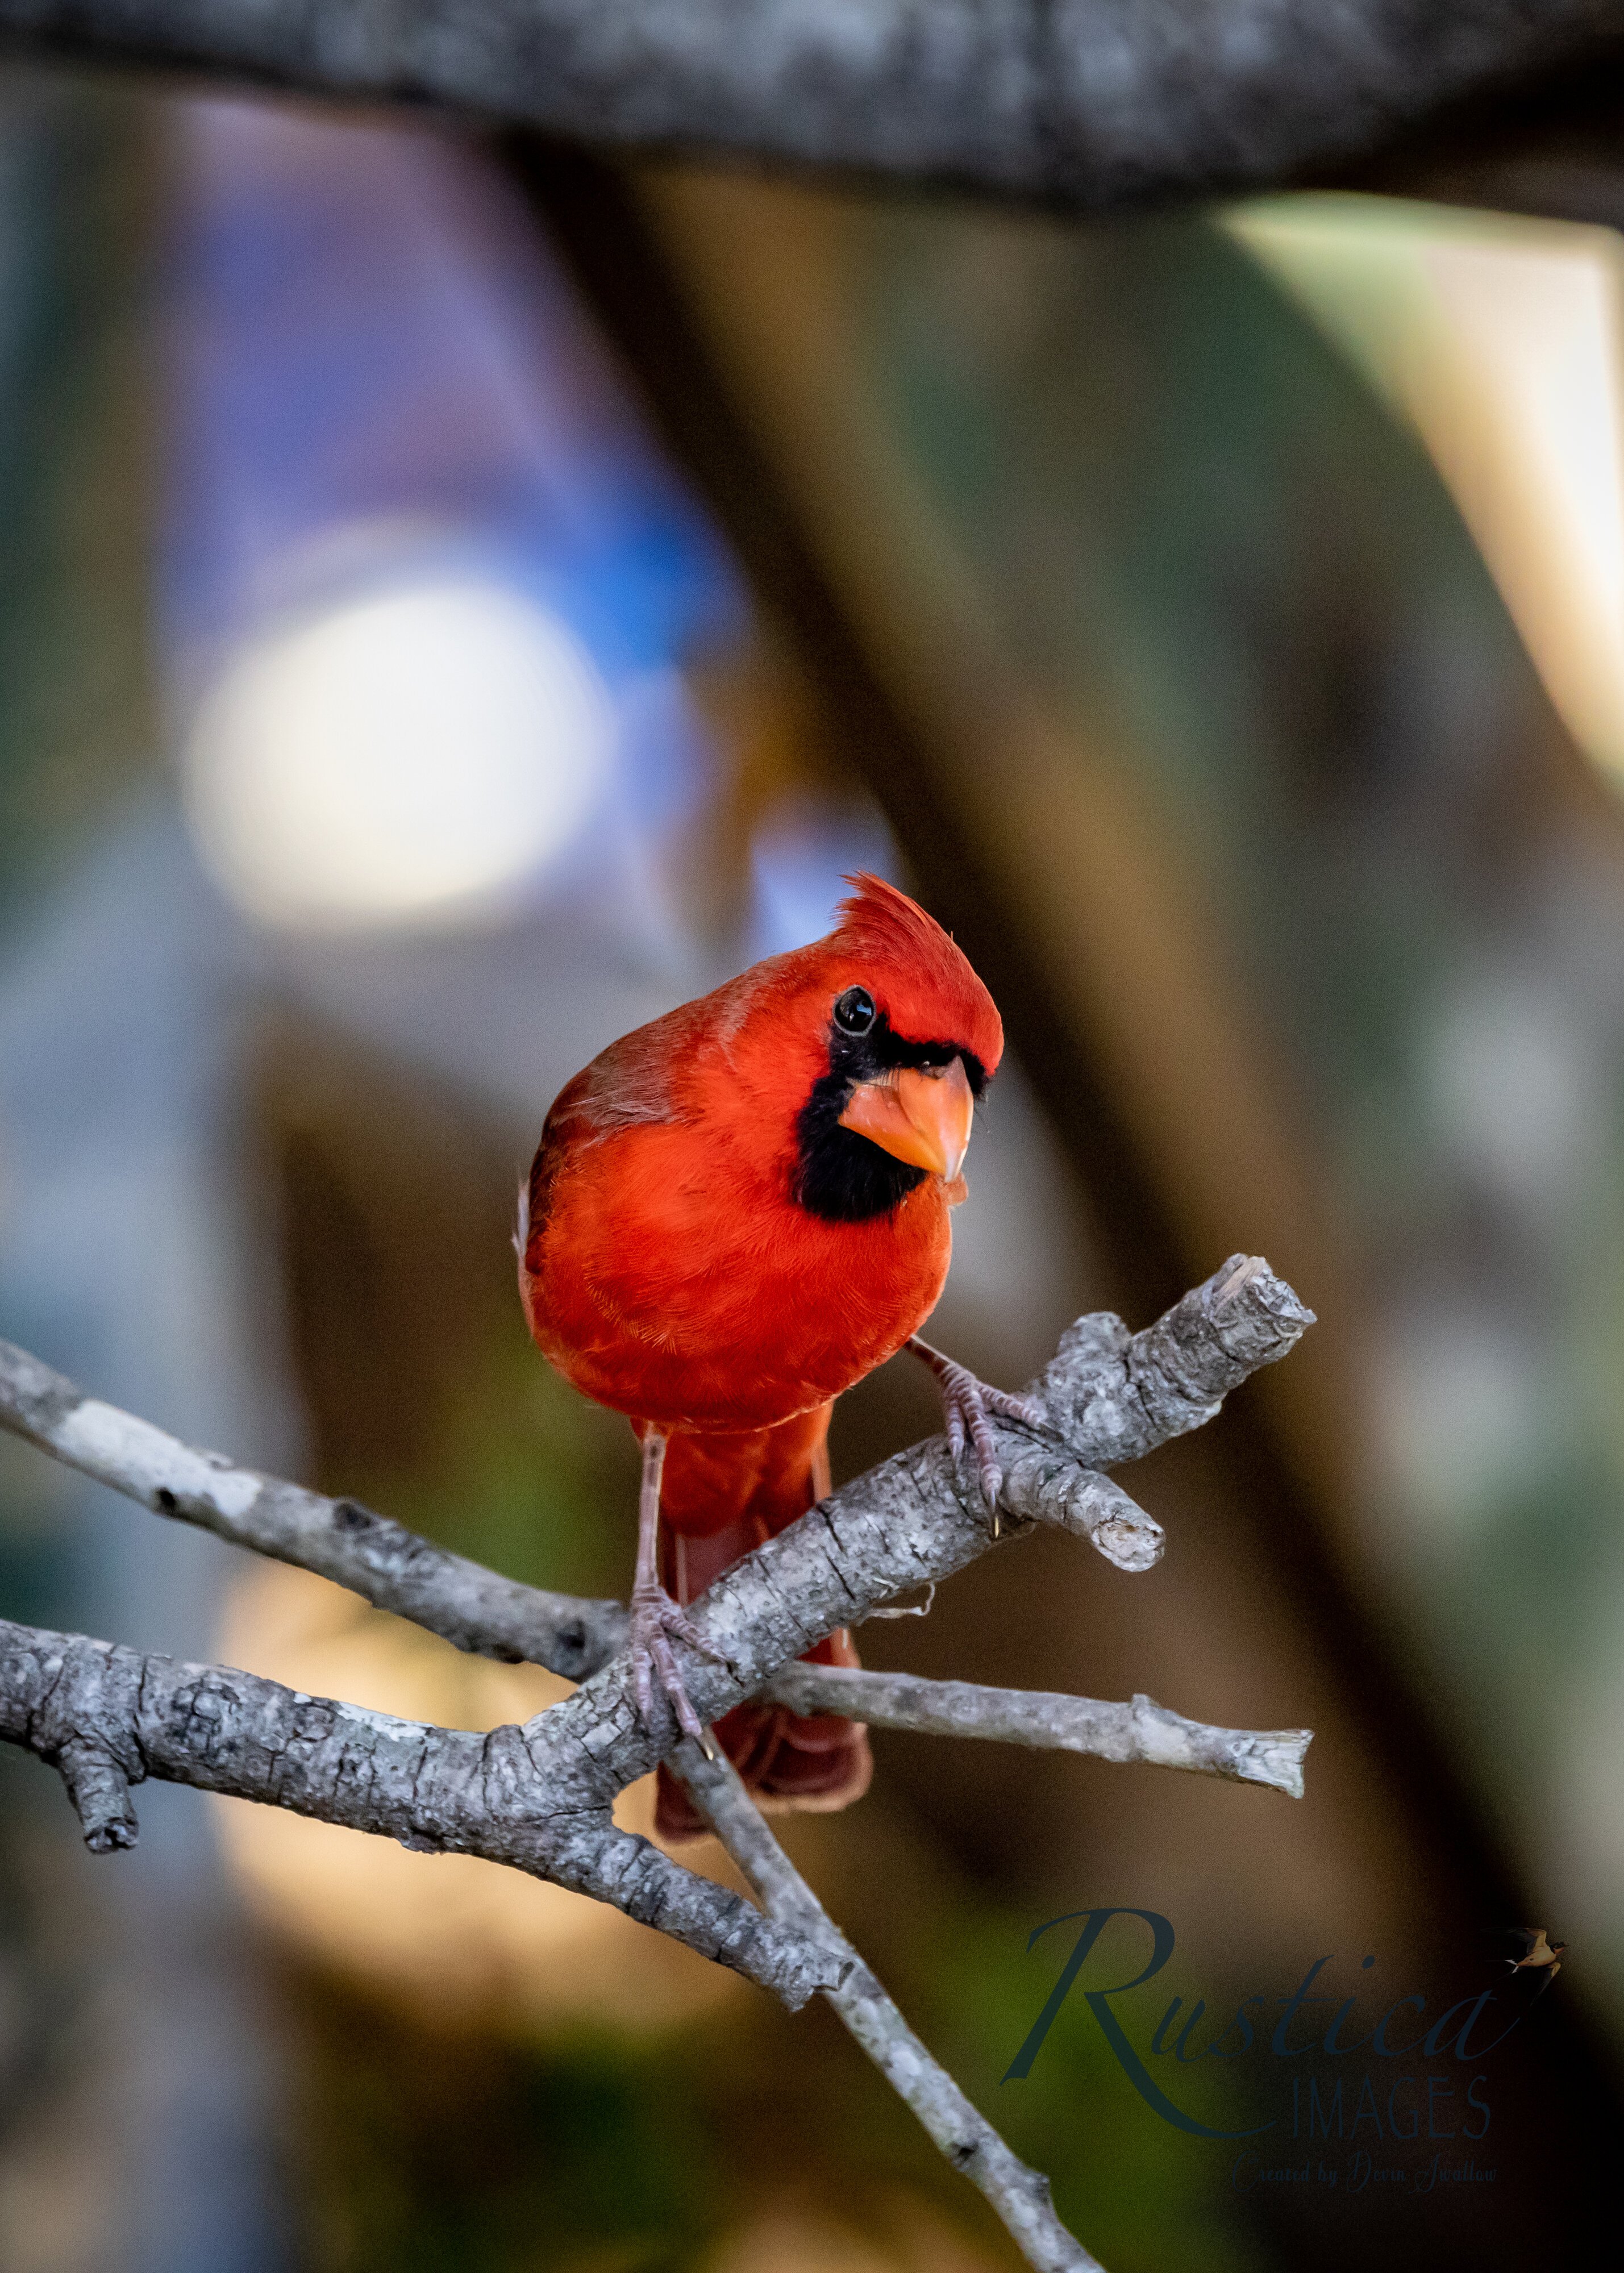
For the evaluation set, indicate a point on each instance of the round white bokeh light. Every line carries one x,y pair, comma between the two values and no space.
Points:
410,756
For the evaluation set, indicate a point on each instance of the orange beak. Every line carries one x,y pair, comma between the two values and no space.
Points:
921,1114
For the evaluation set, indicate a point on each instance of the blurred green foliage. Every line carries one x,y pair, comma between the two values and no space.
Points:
1149,2198
528,1477
597,2151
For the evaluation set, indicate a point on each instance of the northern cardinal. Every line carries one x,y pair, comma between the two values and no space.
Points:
735,1213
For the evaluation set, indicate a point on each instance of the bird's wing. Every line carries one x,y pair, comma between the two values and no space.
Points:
630,1083
650,1078
639,1080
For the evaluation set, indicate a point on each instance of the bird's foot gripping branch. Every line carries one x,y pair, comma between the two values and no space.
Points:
538,1797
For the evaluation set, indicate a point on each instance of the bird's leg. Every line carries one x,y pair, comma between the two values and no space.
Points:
655,1618
967,1403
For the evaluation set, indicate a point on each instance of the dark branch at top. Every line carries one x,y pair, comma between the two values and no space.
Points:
1091,103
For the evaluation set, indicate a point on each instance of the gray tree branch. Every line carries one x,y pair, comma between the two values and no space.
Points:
1107,1396
108,1717
479,1610
391,1568
1094,103
1141,1730
1020,2195
538,1798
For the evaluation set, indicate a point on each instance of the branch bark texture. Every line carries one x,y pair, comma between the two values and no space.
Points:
1092,103
1141,1730
1106,1397
538,1798
107,1718
393,1568
1020,2195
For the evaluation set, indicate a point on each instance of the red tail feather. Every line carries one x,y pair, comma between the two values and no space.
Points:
721,1497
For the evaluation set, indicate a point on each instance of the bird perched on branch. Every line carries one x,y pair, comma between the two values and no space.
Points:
735,1213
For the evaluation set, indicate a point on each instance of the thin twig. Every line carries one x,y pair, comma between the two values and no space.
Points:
1020,2195
1142,1730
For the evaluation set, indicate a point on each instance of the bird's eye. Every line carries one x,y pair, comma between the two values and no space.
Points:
854,1010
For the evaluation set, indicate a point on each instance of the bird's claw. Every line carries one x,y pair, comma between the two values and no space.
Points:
967,1403
656,1621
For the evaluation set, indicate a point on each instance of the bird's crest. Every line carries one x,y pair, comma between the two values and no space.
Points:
878,915
929,988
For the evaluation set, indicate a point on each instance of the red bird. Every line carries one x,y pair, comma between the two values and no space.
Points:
735,1213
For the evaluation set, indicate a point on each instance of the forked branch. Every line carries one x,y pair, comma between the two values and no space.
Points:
538,1797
